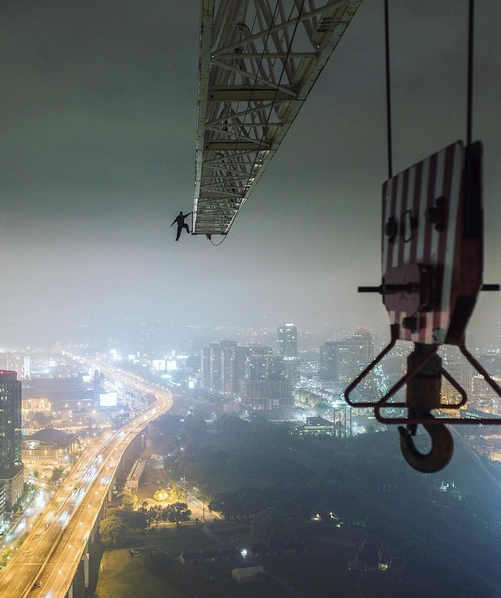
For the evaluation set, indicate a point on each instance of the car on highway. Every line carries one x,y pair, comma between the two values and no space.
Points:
37,584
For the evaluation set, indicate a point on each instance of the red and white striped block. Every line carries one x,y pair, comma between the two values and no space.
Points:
423,243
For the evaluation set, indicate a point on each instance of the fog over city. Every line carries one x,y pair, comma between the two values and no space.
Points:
98,135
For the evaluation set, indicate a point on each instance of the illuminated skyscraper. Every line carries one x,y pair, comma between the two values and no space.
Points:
11,466
228,356
344,360
355,354
287,349
329,365
265,385
215,368
219,367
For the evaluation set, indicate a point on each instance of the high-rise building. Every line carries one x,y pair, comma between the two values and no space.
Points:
328,368
205,367
287,349
228,356
355,354
225,365
257,349
243,353
463,373
344,360
215,368
219,367
11,466
265,385
287,341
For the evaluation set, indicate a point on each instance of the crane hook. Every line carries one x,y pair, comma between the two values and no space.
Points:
442,447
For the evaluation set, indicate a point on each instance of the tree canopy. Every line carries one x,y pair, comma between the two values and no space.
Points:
179,493
271,526
112,531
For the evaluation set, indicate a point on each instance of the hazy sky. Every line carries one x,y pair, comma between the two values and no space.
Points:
97,158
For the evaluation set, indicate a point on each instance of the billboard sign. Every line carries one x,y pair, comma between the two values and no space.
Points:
108,399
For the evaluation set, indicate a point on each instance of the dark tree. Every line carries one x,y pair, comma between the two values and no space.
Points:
155,514
227,504
156,561
134,520
271,527
57,474
179,493
177,512
112,531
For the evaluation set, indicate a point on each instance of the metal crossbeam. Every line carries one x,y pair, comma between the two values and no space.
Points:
258,60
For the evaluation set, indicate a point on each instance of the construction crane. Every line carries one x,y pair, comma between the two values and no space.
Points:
258,61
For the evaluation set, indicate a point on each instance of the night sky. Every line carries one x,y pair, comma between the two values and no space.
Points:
97,158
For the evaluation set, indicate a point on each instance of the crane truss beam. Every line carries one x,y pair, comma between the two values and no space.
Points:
258,61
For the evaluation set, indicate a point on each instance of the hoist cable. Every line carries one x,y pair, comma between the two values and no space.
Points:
469,103
388,88
220,242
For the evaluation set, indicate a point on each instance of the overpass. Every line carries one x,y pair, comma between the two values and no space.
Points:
59,540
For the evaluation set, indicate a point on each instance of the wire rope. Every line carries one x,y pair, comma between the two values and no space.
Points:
469,100
388,88
220,242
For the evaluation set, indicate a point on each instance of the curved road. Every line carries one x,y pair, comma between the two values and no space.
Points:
53,549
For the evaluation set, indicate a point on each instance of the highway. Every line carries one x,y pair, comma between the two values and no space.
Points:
54,547
27,519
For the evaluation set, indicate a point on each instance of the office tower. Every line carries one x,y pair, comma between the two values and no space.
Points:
243,353
228,369
205,368
287,349
214,368
328,368
265,385
463,373
344,360
355,354
219,367
11,466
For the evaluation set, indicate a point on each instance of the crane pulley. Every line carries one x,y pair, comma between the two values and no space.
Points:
432,264
432,267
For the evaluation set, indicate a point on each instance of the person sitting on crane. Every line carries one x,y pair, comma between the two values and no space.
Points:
180,224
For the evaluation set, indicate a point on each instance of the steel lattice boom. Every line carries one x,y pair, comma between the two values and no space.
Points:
258,60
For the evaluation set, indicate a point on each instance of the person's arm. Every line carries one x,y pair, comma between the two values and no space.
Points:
174,222
189,213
